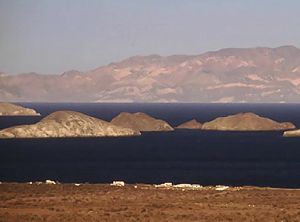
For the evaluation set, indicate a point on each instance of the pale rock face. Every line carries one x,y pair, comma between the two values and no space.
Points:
255,77
297,69
9,109
246,122
192,124
141,122
67,124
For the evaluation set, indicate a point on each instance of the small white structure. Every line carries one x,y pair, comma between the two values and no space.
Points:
221,187
165,185
77,184
183,185
118,183
197,186
30,183
50,182
188,186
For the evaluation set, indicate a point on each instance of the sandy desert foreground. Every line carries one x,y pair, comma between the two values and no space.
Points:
68,202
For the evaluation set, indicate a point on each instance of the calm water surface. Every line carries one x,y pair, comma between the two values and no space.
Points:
182,156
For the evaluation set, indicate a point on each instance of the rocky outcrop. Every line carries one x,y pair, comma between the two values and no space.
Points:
292,133
192,124
67,124
246,122
140,122
9,109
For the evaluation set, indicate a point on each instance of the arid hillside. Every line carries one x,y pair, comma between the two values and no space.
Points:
228,75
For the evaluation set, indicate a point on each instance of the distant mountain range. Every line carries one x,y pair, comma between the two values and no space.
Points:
228,75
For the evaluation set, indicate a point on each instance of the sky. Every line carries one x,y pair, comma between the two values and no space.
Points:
53,36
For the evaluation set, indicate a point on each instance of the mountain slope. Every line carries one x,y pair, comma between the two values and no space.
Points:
228,75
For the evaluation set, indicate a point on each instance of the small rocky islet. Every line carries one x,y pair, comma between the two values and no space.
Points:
246,122
292,133
9,109
141,122
239,122
192,124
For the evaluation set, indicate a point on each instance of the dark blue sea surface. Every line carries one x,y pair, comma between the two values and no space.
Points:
181,156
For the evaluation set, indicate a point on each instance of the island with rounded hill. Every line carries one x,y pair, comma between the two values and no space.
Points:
141,122
292,133
192,124
67,124
9,109
246,122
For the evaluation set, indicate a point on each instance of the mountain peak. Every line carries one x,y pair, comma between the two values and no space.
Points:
288,47
71,72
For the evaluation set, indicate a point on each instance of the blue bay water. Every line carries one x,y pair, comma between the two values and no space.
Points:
181,156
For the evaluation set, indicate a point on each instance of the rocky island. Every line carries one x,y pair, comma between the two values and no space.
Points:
192,124
246,122
9,109
140,122
292,133
67,124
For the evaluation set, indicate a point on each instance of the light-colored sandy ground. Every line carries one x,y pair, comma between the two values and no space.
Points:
67,202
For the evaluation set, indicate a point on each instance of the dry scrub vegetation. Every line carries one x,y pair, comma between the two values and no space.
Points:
67,202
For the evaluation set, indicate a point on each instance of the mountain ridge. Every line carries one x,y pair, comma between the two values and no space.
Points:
228,75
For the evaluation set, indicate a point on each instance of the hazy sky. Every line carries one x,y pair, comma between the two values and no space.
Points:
52,36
